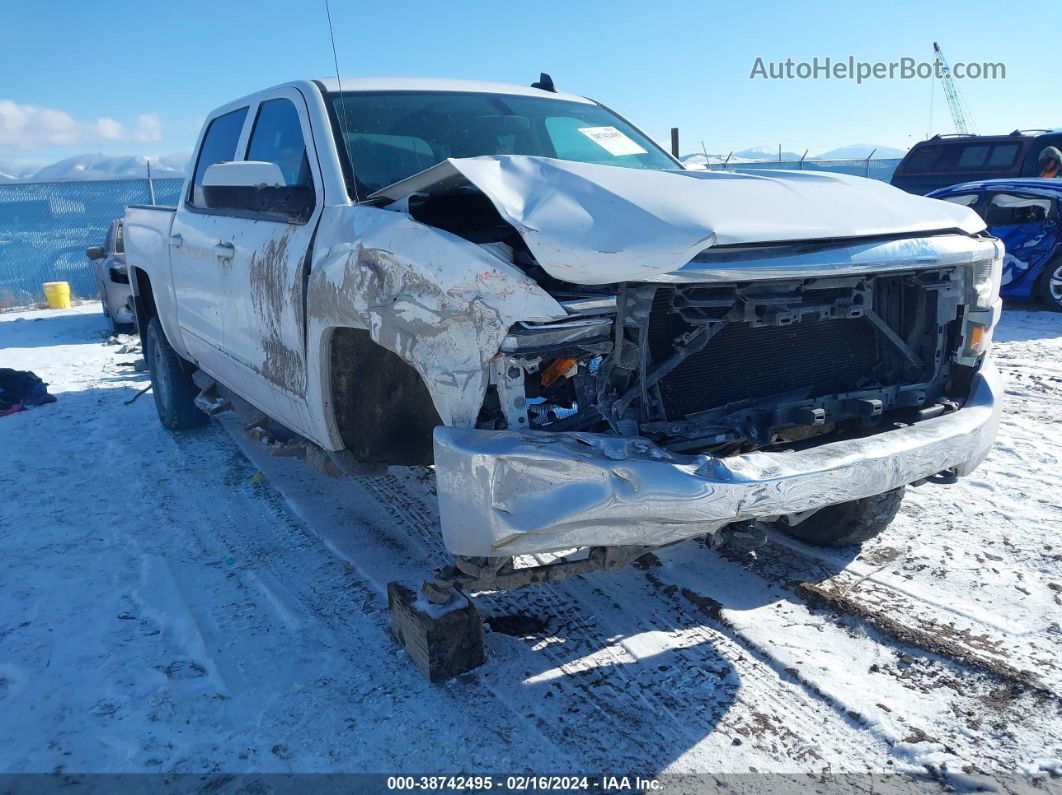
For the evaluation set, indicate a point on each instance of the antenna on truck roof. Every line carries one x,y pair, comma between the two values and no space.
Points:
545,82
342,105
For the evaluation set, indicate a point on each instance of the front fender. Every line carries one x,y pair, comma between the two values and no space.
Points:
441,303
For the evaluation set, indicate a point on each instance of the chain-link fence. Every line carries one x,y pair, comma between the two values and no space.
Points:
874,169
46,226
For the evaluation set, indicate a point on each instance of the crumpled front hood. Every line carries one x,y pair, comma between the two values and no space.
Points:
592,224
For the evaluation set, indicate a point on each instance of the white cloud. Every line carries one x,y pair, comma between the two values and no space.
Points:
148,128
30,126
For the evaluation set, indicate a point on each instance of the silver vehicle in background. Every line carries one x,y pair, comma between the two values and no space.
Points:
113,278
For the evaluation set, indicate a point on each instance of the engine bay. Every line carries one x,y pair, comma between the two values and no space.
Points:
730,368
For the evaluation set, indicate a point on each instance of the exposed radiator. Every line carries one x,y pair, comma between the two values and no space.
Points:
812,358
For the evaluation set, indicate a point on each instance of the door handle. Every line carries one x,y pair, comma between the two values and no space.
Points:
225,250
176,240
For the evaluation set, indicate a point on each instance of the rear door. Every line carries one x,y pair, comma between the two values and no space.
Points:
199,261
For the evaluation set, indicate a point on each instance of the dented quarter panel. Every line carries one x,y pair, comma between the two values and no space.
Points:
440,302
659,220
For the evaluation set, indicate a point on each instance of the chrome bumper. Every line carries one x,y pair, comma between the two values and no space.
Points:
520,492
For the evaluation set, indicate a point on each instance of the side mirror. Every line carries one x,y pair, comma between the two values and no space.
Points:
95,252
255,186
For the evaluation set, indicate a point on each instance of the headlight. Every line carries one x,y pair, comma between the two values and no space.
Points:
529,338
986,275
983,307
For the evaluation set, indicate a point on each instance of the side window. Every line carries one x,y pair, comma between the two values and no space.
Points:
119,245
922,159
219,144
1003,155
973,156
1010,209
277,138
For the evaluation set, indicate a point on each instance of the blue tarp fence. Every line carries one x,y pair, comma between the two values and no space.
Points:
45,227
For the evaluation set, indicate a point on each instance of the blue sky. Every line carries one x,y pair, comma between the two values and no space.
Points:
137,78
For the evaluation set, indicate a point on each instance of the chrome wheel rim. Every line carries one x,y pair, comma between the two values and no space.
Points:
1054,285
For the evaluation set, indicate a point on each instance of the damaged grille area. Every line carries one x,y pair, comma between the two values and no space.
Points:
735,367
742,362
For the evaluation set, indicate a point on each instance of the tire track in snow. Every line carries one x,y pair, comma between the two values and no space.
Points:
938,629
417,525
354,531
928,711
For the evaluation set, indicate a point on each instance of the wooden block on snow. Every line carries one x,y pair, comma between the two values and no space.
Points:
442,640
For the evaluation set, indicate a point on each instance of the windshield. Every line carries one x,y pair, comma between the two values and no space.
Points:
392,135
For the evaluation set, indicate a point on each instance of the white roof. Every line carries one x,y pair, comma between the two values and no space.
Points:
440,84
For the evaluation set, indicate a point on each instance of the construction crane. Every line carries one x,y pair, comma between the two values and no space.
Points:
960,115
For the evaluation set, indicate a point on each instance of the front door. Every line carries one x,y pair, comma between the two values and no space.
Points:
263,282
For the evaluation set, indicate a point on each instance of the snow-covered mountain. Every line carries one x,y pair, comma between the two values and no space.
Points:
100,166
764,154
15,172
700,160
850,152
859,151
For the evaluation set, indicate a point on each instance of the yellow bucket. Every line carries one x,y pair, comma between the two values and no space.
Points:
58,294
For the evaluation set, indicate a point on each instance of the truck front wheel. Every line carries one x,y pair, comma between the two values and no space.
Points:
848,523
171,382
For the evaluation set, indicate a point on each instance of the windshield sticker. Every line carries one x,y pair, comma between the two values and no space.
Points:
612,140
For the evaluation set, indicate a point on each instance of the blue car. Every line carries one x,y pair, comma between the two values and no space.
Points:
1023,213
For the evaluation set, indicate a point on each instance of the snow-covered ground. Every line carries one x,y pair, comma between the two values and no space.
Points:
189,603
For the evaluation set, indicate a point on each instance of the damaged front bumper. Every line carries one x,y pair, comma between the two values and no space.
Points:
504,493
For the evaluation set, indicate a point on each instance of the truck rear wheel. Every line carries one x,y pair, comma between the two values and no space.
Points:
848,523
171,382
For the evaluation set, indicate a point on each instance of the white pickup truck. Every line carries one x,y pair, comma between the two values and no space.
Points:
597,349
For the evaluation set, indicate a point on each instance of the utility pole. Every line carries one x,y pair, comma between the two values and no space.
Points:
674,141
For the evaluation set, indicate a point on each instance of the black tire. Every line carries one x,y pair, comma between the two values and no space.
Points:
848,523
1049,287
171,382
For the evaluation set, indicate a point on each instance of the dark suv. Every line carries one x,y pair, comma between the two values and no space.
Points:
945,160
